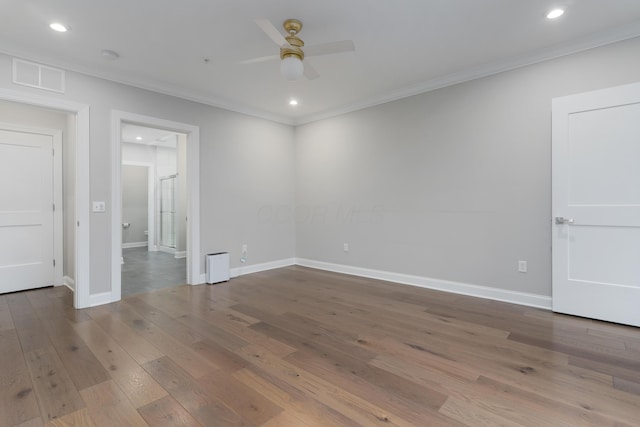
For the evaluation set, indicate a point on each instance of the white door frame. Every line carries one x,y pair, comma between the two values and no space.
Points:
193,188
82,190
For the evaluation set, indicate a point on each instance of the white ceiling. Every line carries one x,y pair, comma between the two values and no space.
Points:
403,47
149,136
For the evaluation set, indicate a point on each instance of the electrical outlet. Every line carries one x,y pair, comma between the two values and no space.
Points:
243,256
345,247
522,266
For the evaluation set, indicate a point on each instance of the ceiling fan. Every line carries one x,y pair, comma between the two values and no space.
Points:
291,49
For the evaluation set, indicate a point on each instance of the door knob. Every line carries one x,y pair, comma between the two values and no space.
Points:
563,220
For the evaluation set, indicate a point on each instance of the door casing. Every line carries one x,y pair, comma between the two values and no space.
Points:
81,298
193,189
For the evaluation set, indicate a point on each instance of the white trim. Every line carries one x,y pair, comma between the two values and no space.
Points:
194,258
521,298
167,250
101,299
164,88
58,213
180,254
134,245
69,282
83,201
256,268
82,164
496,67
591,41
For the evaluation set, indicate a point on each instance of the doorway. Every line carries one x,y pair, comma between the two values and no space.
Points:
77,245
78,191
153,177
187,242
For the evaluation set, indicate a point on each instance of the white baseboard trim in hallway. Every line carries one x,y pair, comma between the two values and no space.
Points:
69,283
521,298
134,245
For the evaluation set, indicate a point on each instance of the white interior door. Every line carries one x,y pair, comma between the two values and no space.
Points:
26,210
596,204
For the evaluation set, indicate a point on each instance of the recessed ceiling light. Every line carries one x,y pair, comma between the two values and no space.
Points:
56,26
293,102
138,138
555,13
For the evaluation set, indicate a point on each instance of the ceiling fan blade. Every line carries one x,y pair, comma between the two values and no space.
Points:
309,72
329,48
271,31
260,59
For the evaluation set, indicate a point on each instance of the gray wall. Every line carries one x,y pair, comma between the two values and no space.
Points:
453,184
135,182
28,115
244,162
251,170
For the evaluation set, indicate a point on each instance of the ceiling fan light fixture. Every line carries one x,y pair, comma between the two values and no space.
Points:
291,67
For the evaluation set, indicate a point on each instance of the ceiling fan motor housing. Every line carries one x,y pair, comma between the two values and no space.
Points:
292,27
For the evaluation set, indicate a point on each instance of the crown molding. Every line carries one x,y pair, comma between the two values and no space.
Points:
164,89
579,45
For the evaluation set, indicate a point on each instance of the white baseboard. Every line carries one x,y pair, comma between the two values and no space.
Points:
100,299
514,297
69,283
522,298
167,250
180,254
134,245
256,268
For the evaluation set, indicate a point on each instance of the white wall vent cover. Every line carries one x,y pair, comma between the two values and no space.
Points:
37,75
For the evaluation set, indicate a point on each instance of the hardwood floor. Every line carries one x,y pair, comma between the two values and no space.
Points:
301,347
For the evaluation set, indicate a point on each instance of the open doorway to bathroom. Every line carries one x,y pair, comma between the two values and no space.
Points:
154,205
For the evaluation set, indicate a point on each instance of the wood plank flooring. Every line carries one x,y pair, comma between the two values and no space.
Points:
302,347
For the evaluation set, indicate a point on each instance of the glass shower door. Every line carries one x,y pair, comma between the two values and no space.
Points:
167,211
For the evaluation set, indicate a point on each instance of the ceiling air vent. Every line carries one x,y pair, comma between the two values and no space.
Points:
37,75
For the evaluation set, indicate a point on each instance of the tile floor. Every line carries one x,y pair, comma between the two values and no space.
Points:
145,271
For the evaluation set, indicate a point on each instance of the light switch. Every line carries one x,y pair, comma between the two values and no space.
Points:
99,206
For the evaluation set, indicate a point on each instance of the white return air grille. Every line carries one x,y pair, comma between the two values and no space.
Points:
37,75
